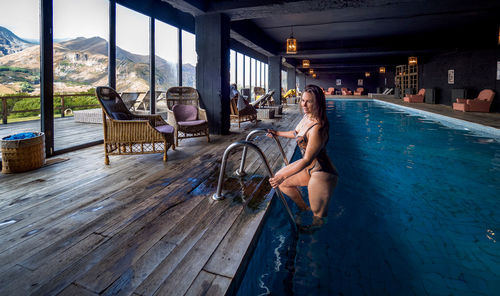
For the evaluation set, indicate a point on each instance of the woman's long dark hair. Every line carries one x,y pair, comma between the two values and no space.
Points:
319,110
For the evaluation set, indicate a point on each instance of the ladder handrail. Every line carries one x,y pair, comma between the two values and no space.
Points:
241,171
218,195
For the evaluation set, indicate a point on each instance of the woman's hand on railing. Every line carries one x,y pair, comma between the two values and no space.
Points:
276,180
271,133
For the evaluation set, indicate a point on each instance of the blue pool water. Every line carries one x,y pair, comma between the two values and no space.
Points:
416,212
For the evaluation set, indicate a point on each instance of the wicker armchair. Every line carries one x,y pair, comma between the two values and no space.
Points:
126,133
185,114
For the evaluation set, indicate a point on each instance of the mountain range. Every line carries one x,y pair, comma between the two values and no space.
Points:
80,64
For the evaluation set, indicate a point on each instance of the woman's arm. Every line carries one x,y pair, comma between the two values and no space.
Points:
314,145
285,134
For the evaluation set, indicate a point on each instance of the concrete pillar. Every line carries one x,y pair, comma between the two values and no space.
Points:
212,70
274,76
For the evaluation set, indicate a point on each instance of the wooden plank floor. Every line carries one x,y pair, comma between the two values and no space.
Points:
138,226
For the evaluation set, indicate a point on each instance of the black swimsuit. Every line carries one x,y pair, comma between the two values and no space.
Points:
322,162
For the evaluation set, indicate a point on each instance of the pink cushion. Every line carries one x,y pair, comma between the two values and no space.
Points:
191,123
185,112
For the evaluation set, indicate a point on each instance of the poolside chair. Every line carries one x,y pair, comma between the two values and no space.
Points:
418,98
359,91
258,92
263,100
345,91
142,101
240,116
330,91
129,98
127,133
185,114
289,94
269,104
480,104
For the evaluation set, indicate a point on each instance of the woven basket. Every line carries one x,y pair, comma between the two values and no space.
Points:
23,155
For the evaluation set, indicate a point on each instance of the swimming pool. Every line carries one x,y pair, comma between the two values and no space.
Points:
415,212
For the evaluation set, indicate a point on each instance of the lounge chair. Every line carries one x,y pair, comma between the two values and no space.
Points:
418,98
480,104
142,101
289,94
185,114
330,91
345,91
243,116
359,91
263,100
127,133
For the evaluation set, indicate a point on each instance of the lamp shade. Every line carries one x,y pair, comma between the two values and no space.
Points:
314,75
412,60
306,63
381,69
291,45
367,74
311,71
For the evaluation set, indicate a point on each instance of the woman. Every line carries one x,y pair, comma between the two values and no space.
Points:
314,169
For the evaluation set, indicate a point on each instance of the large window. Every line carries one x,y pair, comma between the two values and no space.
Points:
266,78
132,52
239,75
232,66
247,72
189,59
166,62
259,80
80,64
166,56
20,66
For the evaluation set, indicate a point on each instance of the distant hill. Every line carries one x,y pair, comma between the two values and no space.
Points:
10,43
82,63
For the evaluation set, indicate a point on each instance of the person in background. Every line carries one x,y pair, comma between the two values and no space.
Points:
314,169
244,107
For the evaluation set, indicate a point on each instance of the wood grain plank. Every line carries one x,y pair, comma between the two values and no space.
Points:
179,281
73,290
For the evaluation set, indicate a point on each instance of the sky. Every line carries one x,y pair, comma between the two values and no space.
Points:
89,18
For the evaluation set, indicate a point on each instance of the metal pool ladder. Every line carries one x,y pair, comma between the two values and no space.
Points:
218,195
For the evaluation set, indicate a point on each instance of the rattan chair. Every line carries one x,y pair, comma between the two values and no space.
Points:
127,133
185,114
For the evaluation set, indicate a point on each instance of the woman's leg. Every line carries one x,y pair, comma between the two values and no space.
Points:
320,188
289,187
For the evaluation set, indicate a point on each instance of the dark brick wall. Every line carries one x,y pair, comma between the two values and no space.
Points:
475,70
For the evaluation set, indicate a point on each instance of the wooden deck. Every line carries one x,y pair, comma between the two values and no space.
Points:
67,132
138,226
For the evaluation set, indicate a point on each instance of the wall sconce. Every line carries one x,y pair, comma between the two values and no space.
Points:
367,74
498,35
291,44
381,69
412,60
314,75
311,71
306,64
